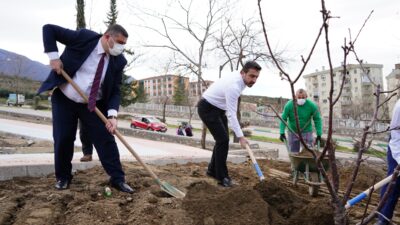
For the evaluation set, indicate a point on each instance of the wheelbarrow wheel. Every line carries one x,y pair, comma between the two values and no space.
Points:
313,189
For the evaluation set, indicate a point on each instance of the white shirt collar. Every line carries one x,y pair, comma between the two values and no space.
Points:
99,47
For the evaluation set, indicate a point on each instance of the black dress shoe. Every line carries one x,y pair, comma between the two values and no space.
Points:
122,186
62,184
226,182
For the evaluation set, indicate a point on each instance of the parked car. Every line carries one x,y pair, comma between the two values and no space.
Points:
148,123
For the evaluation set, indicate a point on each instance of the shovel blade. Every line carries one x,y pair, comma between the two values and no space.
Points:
171,190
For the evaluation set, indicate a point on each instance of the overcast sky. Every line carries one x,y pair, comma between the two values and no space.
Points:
292,25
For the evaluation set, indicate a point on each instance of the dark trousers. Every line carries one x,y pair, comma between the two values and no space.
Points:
87,145
216,121
65,121
390,205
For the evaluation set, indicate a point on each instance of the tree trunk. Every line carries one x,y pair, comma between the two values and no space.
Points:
339,214
203,136
163,112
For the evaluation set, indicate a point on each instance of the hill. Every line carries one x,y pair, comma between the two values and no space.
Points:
12,64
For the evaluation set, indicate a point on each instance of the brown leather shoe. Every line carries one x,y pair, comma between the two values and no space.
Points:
86,158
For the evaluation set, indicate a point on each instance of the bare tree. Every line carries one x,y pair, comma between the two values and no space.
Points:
200,34
239,43
332,181
242,42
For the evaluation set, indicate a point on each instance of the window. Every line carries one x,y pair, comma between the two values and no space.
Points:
325,101
355,71
323,84
355,80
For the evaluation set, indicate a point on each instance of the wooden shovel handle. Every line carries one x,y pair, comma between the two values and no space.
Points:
105,121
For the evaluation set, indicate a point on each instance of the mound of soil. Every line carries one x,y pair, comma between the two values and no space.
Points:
367,174
34,200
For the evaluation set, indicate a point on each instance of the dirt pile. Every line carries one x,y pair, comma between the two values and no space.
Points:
34,200
208,204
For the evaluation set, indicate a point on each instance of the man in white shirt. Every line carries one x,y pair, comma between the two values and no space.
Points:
220,98
393,159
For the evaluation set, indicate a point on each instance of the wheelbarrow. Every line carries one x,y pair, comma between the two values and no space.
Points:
305,166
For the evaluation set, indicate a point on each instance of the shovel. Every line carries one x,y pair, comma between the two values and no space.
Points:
171,190
366,193
255,164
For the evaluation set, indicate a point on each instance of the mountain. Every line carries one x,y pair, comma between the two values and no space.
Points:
12,64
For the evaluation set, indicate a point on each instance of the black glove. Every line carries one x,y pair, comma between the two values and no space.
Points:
318,139
282,137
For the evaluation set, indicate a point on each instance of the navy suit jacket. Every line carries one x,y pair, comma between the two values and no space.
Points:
78,46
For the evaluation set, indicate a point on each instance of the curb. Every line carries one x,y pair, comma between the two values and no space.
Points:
40,170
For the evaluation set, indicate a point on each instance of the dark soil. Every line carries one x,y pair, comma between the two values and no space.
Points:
275,201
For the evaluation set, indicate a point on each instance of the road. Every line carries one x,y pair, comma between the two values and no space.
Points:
154,148
145,148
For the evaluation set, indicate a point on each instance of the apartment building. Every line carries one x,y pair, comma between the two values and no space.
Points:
158,87
393,81
195,88
357,98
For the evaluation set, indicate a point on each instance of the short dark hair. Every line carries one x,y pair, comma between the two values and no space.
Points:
116,29
251,65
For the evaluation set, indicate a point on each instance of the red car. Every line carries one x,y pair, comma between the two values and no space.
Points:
148,123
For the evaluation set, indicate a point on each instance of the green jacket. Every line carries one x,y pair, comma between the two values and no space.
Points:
306,112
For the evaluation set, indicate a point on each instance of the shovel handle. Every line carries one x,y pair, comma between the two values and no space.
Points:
366,193
105,120
255,164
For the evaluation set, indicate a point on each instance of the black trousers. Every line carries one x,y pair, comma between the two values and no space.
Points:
216,121
87,145
65,122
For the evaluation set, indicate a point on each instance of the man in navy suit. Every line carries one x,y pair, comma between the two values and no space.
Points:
95,63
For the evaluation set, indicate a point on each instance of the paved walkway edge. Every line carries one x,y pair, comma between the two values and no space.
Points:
39,170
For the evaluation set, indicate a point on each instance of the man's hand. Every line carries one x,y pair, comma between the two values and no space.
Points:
56,65
243,142
282,137
111,125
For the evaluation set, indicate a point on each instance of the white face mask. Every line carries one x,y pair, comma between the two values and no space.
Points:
117,49
301,101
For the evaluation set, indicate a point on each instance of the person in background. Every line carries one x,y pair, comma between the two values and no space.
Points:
219,101
87,145
179,131
307,111
188,130
393,160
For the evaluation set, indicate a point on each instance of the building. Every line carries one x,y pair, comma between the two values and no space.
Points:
158,88
195,90
393,81
357,98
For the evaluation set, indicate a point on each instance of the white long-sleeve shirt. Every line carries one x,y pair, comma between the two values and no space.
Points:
394,142
224,94
85,75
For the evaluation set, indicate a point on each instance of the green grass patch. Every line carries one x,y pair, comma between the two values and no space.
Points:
343,148
376,153
264,138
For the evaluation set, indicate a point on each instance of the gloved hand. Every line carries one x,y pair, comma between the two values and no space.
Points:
282,137
318,139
